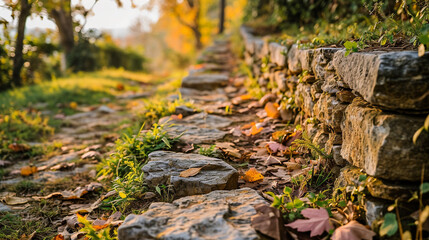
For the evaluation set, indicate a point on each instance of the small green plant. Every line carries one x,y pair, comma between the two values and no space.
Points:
315,149
19,126
208,151
155,109
125,164
166,192
350,47
252,85
290,207
425,127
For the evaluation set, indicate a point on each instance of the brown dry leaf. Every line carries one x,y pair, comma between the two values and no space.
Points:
28,170
353,231
100,224
317,222
76,194
12,200
18,147
269,221
29,237
190,172
290,138
272,110
252,175
292,166
270,160
120,87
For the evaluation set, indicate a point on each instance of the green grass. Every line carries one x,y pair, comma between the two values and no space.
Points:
13,227
25,187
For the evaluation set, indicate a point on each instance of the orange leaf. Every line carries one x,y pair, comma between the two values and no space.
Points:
246,126
255,130
246,97
59,237
17,147
252,175
272,110
120,87
279,135
28,170
176,117
73,105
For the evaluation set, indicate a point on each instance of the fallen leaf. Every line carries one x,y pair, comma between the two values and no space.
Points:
268,221
353,231
29,237
58,237
120,87
255,129
272,110
278,135
75,194
73,105
190,172
246,97
270,160
176,117
12,200
100,224
252,175
274,147
317,222
18,147
28,170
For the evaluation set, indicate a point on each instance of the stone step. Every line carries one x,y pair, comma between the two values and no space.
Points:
394,80
218,215
164,168
205,81
381,143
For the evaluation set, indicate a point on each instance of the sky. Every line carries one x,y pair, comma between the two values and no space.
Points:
107,15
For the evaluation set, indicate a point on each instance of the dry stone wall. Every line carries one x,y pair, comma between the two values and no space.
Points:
362,108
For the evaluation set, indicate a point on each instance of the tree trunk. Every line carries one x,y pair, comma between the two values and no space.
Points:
196,28
64,21
221,16
18,59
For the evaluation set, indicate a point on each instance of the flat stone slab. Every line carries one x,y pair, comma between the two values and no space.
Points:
381,143
194,134
205,81
394,80
202,120
164,167
223,215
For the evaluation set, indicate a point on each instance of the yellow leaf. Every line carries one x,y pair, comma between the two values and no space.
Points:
421,50
190,172
272,110
122,195
252,175
246,97
73,105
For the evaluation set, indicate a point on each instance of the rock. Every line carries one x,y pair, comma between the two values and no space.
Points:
378,188
332,84
278,54
381,143
184,110
293,63
375,209
194,134
303,99
393,80
165,167
345,96
4,208
217,215
336,154
305,58
322,62
202,120
281,80
316,89
287,115
321,138
91,155
205,81
330,111
269,97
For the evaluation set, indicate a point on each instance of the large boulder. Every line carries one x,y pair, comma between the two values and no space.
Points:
330,111
278,54
381,142
395,80
218,215
195,134
164,167
205,81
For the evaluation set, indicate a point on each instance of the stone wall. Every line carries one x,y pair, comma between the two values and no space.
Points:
362,108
